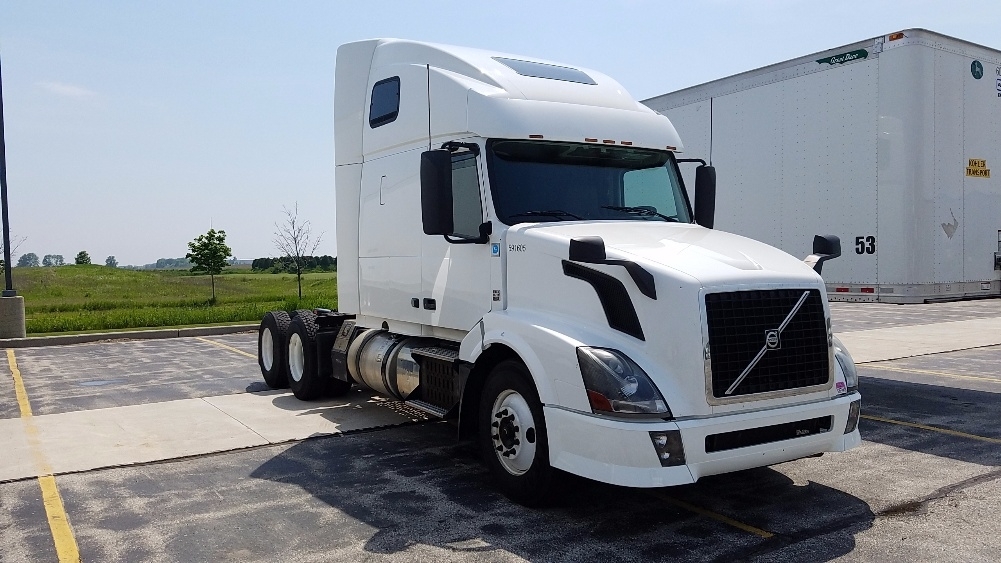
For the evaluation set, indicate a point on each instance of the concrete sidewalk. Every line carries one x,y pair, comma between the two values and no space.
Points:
90,439
919,340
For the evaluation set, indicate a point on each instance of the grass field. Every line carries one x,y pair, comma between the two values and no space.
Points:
82,298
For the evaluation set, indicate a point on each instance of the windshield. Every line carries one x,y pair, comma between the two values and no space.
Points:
551,181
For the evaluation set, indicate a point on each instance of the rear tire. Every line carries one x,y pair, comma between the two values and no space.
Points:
271,349
512,435
303,377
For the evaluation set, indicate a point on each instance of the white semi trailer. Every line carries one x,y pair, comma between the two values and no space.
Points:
517,252
888,143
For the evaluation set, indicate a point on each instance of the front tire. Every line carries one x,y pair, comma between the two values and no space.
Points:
271,349
303,376
512,435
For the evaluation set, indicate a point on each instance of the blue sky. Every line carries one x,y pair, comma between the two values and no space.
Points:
131,127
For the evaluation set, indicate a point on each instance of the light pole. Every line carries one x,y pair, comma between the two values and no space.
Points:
9,288
11,304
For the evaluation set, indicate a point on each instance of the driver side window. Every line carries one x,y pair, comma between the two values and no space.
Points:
467,211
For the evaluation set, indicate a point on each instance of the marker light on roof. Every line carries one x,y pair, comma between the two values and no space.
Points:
897,35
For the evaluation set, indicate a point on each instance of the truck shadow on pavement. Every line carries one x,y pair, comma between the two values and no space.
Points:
950,409
416,487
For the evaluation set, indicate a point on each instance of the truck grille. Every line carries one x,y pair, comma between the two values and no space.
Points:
742,323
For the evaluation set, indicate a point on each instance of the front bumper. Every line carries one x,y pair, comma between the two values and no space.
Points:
621,452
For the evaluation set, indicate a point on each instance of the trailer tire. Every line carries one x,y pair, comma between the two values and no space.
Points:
305,313
512,435
272,338
303,376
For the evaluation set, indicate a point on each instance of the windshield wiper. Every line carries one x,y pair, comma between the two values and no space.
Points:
645,211
549,213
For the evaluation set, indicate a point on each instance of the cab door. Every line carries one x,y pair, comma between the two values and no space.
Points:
455,276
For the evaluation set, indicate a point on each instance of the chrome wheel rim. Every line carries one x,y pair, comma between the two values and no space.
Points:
513,433
267,349
295,358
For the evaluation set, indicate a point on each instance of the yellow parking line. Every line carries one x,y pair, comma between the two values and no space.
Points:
929,372
62,533
59,525
715,516
933,429
230,348
22,396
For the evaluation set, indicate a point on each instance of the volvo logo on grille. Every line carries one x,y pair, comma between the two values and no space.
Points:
772,339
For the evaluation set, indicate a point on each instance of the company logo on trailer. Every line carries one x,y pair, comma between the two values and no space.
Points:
977,70
845,57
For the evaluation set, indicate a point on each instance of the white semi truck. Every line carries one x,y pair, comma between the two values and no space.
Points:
517,252
887,142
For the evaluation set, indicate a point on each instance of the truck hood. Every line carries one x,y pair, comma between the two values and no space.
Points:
710,256
684,260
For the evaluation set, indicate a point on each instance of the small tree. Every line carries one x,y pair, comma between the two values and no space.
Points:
53,260
111,262
29,260
15,242
208,253
82,258
294,240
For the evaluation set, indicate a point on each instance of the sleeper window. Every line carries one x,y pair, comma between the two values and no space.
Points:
385,102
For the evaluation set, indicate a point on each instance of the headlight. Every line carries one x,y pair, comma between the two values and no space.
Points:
847,365
616,385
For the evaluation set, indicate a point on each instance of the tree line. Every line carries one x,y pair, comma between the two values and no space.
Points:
286,264
30,260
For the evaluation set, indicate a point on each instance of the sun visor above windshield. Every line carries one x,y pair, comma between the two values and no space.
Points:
494,117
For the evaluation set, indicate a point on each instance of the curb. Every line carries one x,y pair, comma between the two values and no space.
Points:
61,340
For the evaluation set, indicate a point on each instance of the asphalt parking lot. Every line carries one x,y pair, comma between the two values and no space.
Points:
925,485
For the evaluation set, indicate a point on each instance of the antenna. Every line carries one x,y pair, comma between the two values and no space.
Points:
710,131
429,105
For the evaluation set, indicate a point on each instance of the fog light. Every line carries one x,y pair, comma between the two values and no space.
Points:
853,414
670,450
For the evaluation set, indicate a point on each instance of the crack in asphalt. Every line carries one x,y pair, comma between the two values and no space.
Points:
916,505
783,540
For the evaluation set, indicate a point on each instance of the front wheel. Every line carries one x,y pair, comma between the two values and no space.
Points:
512,435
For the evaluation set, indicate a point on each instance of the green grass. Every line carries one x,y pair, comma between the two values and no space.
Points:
88,298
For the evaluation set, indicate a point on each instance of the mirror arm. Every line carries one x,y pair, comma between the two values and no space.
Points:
486,229
452,146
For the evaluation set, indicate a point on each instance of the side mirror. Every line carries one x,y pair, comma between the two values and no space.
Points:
436,192
829,245
705,196
825,247
590,250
